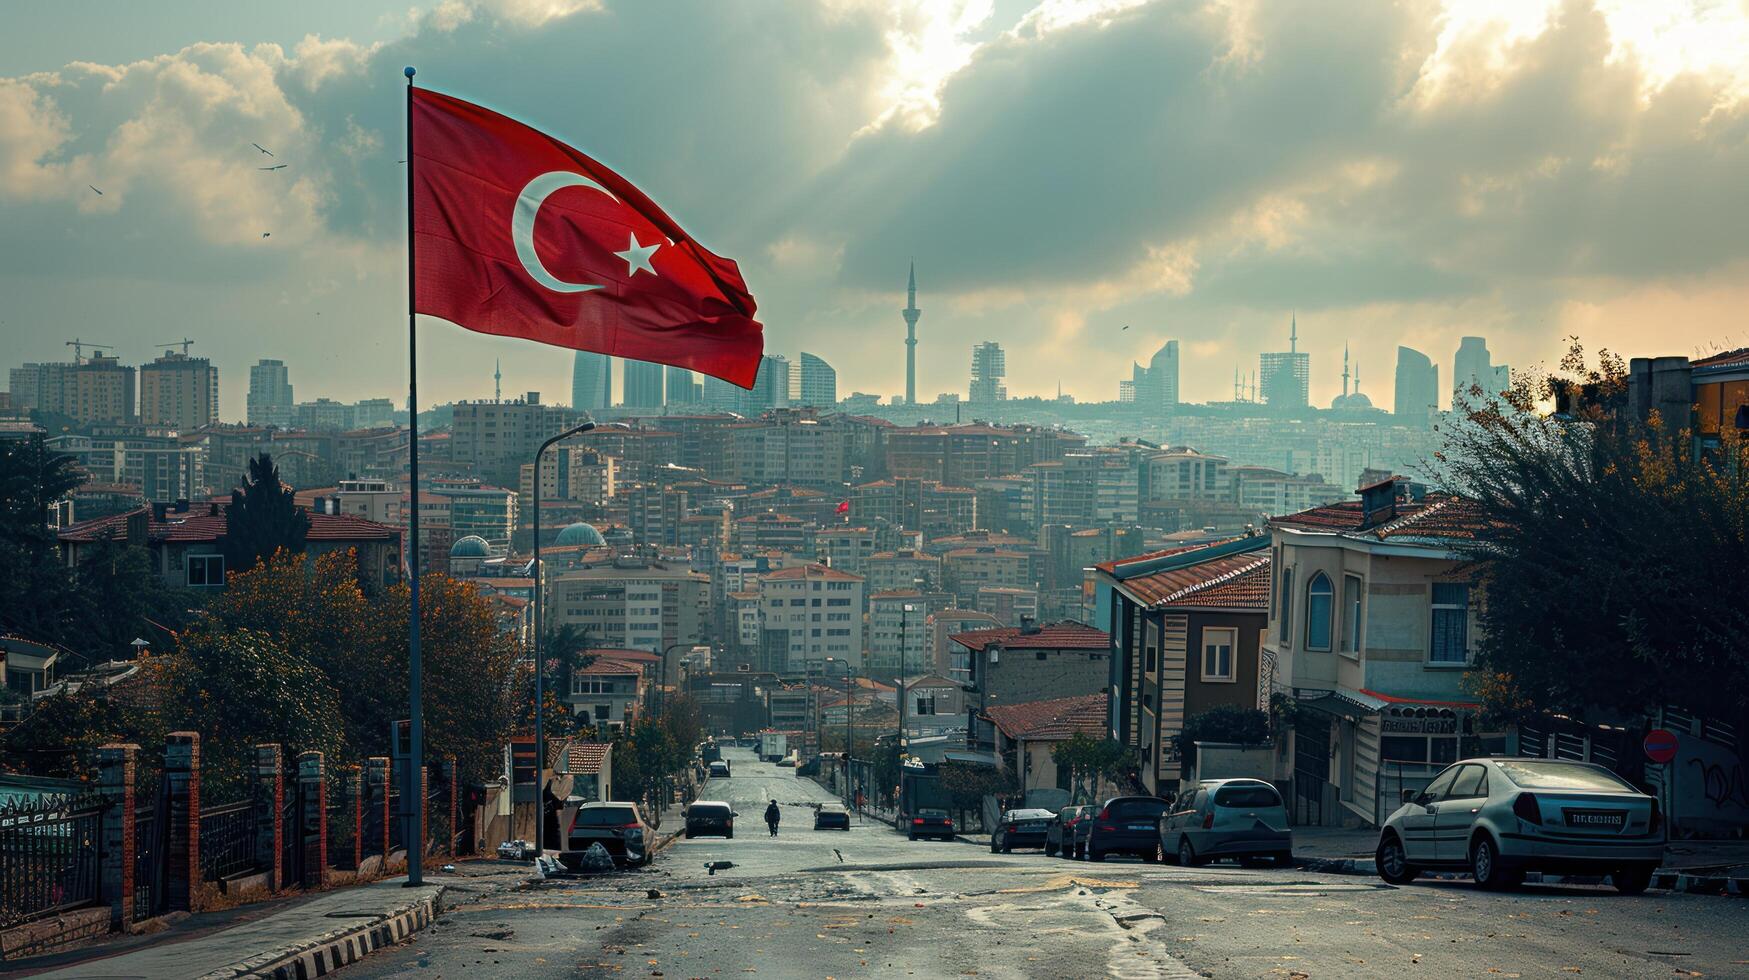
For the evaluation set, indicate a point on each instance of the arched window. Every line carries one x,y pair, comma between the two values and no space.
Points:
1320,597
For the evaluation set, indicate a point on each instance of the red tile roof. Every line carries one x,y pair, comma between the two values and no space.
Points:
624,655
1117,563
1058,718
1229,581
1437,516
1049,636
1728,358
199,523
585,758
615,668
822,572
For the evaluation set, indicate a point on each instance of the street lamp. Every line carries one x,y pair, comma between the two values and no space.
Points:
540,687
904,666
849,718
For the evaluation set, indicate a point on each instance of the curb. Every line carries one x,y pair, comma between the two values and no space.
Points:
335,950
1669,880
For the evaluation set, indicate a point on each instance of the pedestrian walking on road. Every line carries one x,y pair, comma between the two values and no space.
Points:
772,816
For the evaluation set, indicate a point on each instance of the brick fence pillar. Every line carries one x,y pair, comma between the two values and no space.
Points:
115,763
455,792
182,784
355,793
313,818
377,775
424,808
268,791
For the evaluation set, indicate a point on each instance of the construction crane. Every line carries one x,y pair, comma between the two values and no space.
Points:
183,343
79,346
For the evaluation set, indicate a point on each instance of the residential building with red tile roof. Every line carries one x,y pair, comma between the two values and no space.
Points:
1023,736
1016,664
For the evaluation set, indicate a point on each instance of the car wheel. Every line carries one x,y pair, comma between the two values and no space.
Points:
994,849
1486,868
1007,850
1393,861
1633,880
1187,854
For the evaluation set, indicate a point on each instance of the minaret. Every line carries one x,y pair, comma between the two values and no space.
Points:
497,380
911,313
1293,334
1345,372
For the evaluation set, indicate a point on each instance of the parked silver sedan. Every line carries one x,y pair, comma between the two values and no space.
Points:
1498,818
1227,818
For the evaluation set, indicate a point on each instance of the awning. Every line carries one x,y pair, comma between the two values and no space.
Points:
1354,704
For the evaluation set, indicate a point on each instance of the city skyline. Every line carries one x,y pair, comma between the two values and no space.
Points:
1370,224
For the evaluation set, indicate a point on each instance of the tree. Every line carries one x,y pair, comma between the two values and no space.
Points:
262,518
36,594
1609,555
966,784
1090,761
120,598
1224,723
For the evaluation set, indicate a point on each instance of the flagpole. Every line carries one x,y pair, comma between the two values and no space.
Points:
412,788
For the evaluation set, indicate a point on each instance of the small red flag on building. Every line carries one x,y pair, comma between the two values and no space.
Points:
517,234
844,507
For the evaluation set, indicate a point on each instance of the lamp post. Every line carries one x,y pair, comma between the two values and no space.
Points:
540,687
662,682
905,612
849,718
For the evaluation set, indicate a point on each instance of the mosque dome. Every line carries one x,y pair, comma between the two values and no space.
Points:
472,546
580,535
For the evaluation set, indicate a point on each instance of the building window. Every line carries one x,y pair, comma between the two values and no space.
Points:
1319,599
925,704
206,571
1451,624
1351,592
1217,654
1287,604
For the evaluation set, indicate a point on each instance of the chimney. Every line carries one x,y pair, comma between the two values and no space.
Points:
1378,503
182,505
1028,626
137,529
212,508
159,508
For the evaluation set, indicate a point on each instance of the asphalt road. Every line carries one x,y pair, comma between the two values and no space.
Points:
870,903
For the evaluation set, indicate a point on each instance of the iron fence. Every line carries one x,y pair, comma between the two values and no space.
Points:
227,840
149,867
49,856
341,829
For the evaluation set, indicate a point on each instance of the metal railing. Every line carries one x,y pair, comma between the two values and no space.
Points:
227,840
49,857
149,868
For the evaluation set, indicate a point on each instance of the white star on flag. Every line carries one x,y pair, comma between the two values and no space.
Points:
638,256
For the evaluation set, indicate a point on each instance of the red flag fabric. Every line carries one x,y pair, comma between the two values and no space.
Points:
517,234
844,507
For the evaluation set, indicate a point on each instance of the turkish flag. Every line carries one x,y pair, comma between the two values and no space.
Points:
517,234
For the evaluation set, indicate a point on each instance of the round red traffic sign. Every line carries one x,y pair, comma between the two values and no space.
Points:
1660,745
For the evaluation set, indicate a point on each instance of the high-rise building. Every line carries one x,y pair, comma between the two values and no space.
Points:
643,384
591,381
771,386
723,396
270,394
989,366
682,390
1156,385
911,313
179,391
1286,376
495,437
90,389
1473,369
818,382
1417,397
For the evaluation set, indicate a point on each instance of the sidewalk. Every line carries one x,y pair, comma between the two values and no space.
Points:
303,938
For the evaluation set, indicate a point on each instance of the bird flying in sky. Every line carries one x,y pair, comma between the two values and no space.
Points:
267,234
99,193
279,166
1126,326
263,149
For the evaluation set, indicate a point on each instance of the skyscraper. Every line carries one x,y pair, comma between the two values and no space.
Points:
682,390
1472,371
179,391
591,381
1417,396
989,366
1286,376
771,386
911,313
643,383
819,383
270,394
1159,390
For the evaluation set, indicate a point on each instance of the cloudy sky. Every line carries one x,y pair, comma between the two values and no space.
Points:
1395,172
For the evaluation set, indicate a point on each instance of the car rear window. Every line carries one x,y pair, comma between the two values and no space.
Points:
706,811
1137,809
606,816
1540,774
931,812
1247,796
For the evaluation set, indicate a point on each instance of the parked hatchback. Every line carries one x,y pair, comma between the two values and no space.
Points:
1227,818
1021,828
932,822
710,817
832,816
1498,818
1124,825
1060,835
618,827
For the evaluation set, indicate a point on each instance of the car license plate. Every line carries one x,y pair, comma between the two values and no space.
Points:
1601,819
1031,826
1141,826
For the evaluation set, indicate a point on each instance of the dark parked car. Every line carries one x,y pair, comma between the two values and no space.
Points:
618,827
1125,825
932,822
1021,828
832,816
710,817
1060,835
